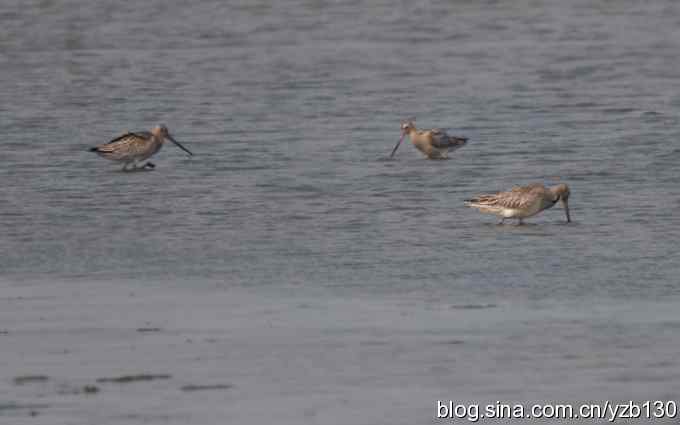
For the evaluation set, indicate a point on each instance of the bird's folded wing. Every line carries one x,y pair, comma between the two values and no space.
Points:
129,135
439,138
517,197
520,196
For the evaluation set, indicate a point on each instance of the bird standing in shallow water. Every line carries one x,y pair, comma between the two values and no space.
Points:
435,143
131,148
522,201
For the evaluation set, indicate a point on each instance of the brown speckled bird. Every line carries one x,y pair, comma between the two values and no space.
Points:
434,144
522,201
131,148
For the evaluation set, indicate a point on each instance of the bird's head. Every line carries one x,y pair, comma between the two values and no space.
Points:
561,193
406,127
162,132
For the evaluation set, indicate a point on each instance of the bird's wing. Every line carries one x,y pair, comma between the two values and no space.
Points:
130,135
441,139
517,197
124,146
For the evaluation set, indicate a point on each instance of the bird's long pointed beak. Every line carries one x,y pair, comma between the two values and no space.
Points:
179,145
566,210
398,143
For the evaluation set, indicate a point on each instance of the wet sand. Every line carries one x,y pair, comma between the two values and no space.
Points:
126,352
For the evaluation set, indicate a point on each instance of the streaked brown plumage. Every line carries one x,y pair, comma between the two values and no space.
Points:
130,148
434,144
522,201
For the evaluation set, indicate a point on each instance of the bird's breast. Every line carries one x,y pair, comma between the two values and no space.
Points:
422,145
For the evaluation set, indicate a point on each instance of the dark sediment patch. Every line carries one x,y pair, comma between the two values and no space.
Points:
473,306
148,329
126,379
90,389
206,387
369,343
85,389
451,342
30,379
18,406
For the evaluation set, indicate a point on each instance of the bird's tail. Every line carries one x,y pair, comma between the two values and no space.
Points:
457,142
484,203
94,149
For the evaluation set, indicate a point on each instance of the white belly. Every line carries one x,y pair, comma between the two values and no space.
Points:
521,213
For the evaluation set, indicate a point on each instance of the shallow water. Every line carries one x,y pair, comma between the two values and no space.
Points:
290,263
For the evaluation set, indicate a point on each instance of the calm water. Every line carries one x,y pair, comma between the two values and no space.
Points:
289,259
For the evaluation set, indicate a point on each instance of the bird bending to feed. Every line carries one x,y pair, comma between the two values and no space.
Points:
131,148
522,201
435,143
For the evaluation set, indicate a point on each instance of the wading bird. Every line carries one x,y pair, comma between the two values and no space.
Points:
131,148
522,201
434,144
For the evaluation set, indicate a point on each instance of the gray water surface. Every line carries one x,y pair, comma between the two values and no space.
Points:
289,262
